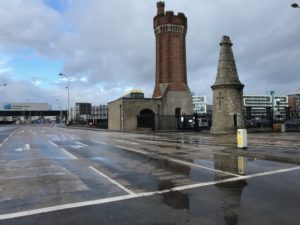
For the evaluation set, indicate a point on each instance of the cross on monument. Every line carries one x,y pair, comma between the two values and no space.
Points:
220,98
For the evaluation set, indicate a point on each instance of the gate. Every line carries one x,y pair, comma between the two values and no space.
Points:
146,119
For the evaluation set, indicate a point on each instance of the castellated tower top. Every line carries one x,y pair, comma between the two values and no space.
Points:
170,32
160,8
168,17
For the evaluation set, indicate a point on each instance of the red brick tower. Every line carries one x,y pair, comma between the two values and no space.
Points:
170,32
171,74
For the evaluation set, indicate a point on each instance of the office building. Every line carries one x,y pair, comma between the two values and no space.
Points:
259,104
99,112
199,104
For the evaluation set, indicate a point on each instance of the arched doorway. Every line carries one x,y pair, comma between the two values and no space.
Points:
177,115
178,112
146,119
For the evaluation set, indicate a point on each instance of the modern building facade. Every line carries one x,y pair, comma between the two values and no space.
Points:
99,112
23,112
19,106
294,103
297,96
258,104
199,104
86,113
81,112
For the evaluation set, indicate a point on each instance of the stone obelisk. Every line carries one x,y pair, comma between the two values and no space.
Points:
228,109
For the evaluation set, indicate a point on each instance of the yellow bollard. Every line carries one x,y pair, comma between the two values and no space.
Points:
242,141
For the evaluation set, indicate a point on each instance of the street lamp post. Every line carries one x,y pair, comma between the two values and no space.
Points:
278,110
68,87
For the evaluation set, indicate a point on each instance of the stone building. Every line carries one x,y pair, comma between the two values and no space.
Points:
171,95
228,109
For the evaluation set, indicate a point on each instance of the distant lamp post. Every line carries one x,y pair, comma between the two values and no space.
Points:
278,110
295,5
68,87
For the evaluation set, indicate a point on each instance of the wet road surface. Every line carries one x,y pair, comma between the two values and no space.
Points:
51,175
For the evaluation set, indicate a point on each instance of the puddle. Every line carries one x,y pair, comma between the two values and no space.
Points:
241,165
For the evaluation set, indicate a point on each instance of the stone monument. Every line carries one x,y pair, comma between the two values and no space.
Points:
228,109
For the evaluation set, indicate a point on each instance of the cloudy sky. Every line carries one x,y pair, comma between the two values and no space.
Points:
107,47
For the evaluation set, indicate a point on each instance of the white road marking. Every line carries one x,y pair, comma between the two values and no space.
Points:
68,153
27,147
67,130
100,142
62,207
135,150
52,143
273,172
73,137
3,142
64,151
131,196
203,167
111,180
81,144
11,134
30,131
63,137
176,160
127,142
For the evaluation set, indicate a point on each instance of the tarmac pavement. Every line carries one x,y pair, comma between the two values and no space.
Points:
51,175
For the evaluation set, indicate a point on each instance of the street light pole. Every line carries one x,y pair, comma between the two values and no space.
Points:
278,110
68,87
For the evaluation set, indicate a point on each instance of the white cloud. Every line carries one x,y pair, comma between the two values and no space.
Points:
36,82
109,46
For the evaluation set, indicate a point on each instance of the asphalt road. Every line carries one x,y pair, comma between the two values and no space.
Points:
51,175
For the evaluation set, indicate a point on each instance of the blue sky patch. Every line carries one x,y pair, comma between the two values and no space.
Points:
57,5
30,66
